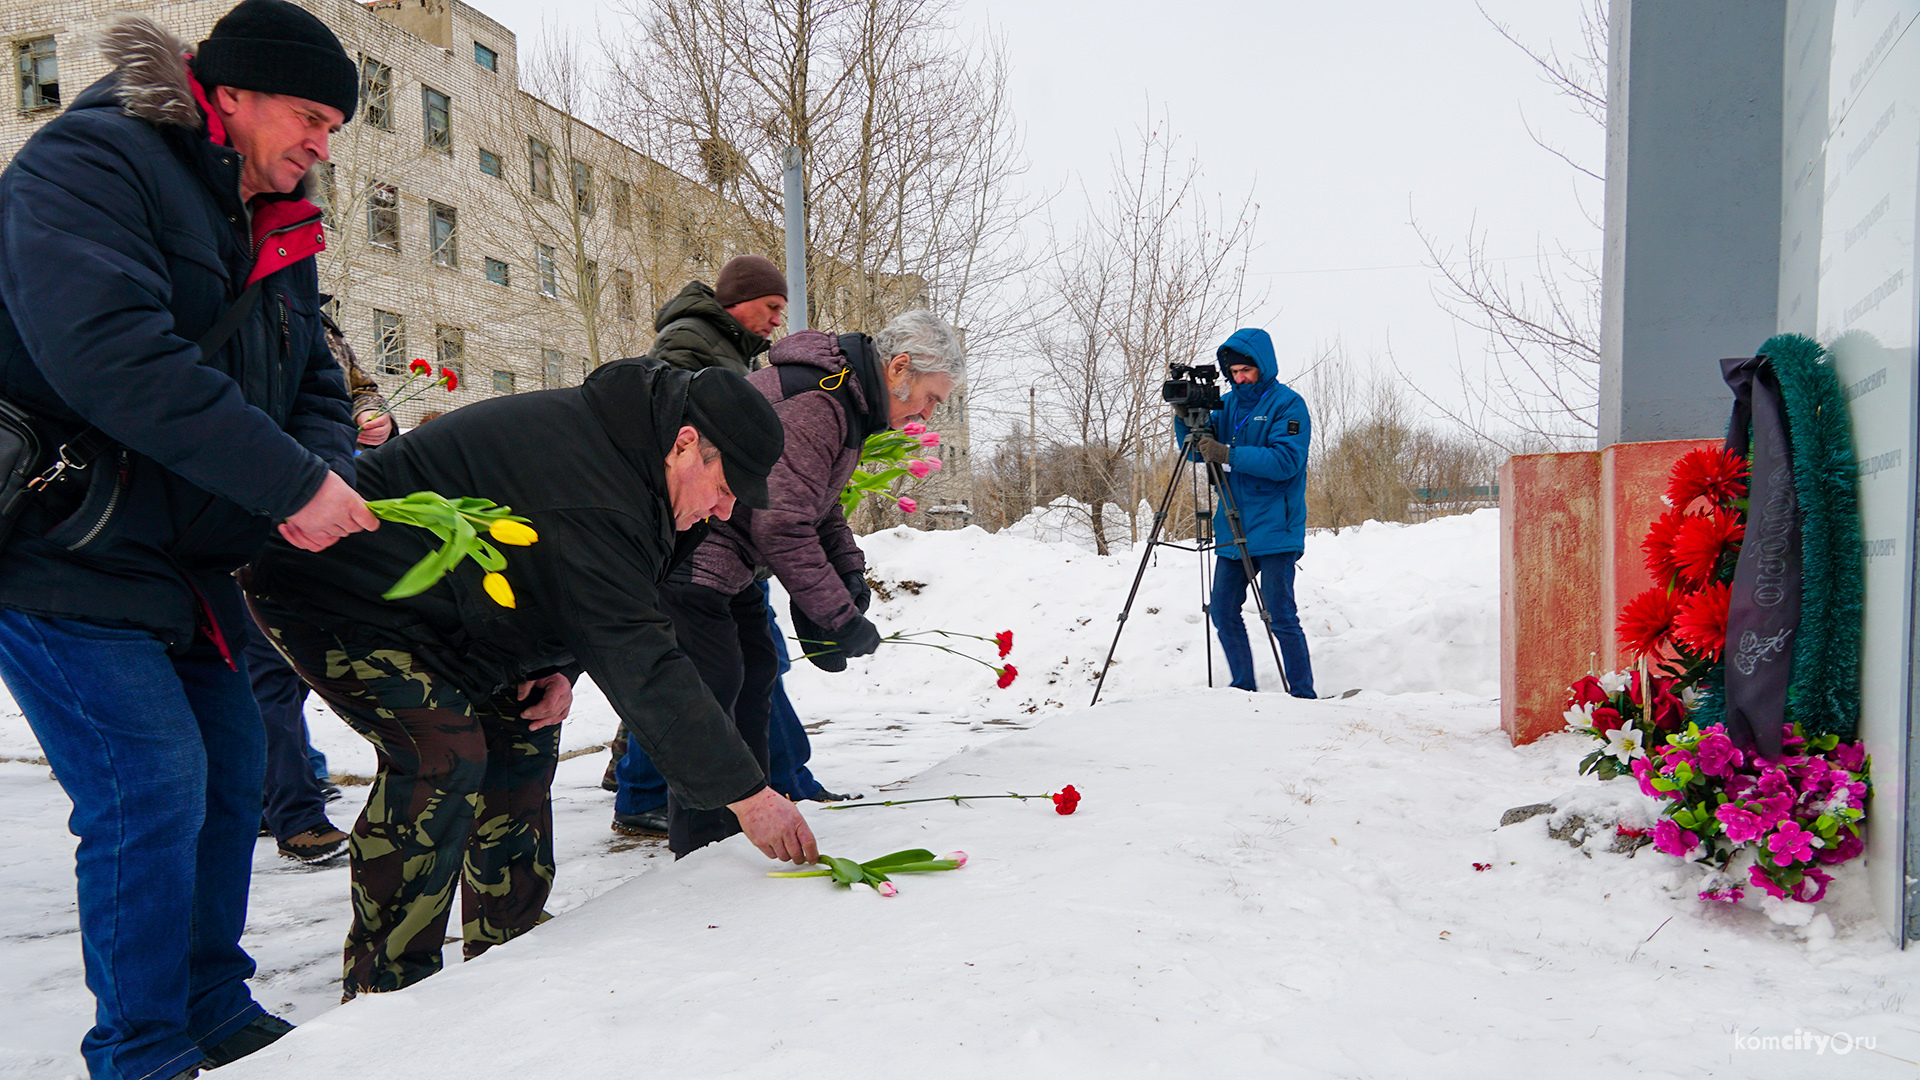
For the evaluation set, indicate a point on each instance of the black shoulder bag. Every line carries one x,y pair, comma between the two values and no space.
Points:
24,471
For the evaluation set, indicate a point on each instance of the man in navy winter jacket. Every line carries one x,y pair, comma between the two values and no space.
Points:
1260,439
164,196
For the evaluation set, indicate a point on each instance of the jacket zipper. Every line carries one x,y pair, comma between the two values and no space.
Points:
113,503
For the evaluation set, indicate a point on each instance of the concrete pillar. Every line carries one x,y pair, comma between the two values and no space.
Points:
1691,263
1551,617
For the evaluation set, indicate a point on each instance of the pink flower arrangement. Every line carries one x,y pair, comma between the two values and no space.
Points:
1795,813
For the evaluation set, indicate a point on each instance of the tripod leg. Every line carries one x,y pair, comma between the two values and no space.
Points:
1218,477
1159,521
1203,528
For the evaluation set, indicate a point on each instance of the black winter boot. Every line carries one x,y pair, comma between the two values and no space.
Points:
258,1035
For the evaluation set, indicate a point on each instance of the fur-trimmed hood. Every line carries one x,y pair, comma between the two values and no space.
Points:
150,67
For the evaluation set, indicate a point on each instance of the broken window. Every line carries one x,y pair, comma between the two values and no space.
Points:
450,346
583,188
622,204
437,119
383,215
540,164
390,342
376,93
549,275
442,223
39,75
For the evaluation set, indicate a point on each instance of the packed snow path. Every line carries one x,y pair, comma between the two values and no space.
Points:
1253,885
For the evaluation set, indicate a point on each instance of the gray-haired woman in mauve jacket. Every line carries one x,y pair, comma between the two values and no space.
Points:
830,394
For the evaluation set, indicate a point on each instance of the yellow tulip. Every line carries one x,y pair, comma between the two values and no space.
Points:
497,587
513,532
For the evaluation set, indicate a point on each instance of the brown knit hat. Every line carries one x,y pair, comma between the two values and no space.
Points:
749,277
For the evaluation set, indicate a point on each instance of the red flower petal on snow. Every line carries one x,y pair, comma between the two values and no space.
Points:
1006,676
1658,546
1701,541
1065,800
1701,624
1719,476
1647,620
1004,639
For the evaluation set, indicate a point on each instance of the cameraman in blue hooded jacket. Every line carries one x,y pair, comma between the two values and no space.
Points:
1260,440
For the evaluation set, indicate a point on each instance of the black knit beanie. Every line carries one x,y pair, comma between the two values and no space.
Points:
278,48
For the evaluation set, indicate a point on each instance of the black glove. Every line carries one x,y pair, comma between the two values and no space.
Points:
856,582
813,642
858,637
1213,451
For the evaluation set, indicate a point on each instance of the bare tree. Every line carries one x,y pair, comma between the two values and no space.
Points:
1156,273
1373,459
1540,386
907,137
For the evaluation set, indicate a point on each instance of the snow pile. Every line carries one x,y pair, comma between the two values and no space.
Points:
1254,885
1070,521
1394,608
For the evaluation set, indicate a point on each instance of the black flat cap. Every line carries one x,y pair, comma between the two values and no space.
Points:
741,422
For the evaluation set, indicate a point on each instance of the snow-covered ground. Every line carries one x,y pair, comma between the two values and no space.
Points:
1253,885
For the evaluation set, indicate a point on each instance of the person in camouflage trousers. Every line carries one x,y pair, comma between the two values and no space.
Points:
448,768
460,688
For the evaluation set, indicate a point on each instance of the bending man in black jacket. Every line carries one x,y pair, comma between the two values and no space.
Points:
462,697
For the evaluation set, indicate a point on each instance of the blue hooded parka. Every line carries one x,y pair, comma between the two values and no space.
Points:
1268,428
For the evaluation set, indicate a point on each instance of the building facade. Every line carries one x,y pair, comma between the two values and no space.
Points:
473,219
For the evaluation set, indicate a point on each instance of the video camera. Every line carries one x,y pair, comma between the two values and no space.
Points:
1193,387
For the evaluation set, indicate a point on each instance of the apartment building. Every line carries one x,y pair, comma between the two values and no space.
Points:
470,222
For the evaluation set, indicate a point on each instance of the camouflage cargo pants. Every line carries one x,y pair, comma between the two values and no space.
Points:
463,792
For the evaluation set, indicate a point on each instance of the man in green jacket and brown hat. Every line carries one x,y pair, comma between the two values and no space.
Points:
726,324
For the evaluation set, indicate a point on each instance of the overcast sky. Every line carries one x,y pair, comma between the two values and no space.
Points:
1344,120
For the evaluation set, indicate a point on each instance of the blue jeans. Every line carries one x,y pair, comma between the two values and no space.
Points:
293,802
163,757
642,788
1276,589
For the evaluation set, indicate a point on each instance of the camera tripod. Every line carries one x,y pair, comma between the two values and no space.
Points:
1196,421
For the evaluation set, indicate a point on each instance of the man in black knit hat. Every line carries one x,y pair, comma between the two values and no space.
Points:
159,321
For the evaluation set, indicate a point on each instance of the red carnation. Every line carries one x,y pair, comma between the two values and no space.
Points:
1647,620
420,367
1065,800
1004,639
1700,543
1701,623
1006,675
1658,546
447,376
1719,476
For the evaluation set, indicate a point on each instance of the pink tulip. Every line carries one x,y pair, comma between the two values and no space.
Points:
922,469
908,506
887,888
931,438
913,427
956,856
